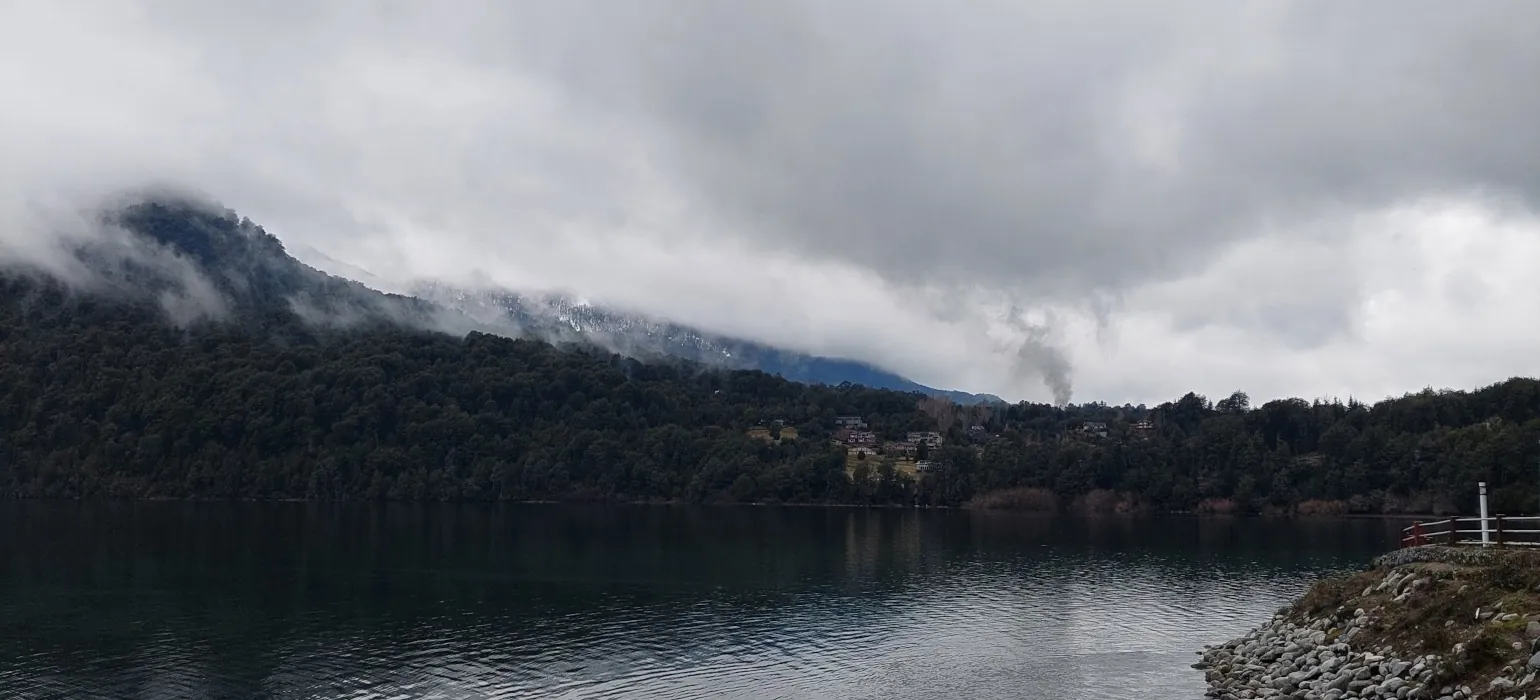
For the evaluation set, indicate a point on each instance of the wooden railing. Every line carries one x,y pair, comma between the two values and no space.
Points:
1501,530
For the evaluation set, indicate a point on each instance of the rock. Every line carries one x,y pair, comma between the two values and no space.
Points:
1314,658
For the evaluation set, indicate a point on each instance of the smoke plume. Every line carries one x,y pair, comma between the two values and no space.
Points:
1036,355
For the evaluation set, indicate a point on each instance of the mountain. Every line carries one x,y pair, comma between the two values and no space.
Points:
208,258
249,269
100,397
561,318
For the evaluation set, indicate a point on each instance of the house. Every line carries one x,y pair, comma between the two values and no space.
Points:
1143,426
788,434
1094,428
900,448
924,466
930,438
977,431
760,432
852,422
860,437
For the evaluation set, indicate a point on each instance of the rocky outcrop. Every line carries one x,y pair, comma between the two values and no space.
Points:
1426,623
1285,660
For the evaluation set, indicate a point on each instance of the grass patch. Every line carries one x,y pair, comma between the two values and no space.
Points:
1441,613
1515,572
1328,595
1484,655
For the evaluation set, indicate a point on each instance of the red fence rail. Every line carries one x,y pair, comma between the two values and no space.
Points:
1501,530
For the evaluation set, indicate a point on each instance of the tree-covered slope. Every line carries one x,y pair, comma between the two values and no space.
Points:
105,398
102,394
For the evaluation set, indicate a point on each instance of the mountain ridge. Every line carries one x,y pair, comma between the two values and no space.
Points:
244,263
643,336
100,397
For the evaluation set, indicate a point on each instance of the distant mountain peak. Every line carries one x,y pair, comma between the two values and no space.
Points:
209,236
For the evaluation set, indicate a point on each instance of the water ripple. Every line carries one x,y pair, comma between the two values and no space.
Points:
640,605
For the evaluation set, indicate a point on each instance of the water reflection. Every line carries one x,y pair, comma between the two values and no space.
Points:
302,601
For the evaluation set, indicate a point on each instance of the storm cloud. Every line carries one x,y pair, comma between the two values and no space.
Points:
1290,198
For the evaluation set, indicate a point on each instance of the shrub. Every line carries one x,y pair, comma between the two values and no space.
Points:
1318,508
1218,506
1024,499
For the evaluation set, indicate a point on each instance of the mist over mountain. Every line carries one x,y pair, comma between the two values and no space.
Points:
562,318
278,380
203,261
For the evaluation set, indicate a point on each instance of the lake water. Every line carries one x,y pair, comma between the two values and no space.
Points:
169,600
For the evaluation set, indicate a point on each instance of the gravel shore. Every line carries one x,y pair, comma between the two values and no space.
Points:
1429,623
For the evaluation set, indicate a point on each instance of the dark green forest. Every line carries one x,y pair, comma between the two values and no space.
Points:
102,397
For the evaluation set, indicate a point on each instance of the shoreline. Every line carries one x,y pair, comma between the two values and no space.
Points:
1430,622
1064,512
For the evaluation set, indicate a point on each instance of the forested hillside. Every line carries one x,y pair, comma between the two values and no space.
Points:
101,396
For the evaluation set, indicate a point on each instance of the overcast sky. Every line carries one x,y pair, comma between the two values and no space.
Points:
1295,198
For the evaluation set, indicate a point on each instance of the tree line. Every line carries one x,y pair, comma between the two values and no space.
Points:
102,398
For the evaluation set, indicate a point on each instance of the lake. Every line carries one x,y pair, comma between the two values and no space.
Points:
178,600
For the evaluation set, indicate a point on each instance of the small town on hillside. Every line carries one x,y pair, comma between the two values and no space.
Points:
913,453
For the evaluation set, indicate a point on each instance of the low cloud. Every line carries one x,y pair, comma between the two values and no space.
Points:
1206,196
1435,293
89,253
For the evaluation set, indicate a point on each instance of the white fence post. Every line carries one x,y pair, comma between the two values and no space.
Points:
1485,533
